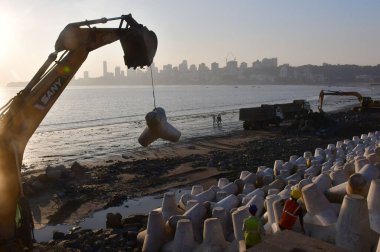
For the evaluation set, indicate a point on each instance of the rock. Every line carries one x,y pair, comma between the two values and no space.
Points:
58,235
113,220
54,172
77,168
37,185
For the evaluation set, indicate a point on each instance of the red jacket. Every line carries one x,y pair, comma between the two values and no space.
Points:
290,213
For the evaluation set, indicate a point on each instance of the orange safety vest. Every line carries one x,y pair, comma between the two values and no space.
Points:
289,214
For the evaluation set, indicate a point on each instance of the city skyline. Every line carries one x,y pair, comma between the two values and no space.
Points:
297,32
259,71
265,71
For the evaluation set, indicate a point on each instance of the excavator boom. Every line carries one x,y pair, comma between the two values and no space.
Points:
21,116
366,103
323,93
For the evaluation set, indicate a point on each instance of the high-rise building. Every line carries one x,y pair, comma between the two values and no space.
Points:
214,66
104,68
183,66
243,66
117,71
231,66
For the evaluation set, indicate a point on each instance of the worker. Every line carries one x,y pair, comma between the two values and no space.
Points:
219,119
292,209
252,228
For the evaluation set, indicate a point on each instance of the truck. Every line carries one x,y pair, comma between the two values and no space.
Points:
21,116
295,109
260,117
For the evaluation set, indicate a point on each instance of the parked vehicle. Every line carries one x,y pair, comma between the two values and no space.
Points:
295,109
260,117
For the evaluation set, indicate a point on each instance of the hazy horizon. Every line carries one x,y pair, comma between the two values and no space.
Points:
296,32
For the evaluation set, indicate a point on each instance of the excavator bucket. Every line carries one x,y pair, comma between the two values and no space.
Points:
139,46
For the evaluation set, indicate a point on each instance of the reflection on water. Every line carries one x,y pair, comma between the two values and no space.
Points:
142,205
92,123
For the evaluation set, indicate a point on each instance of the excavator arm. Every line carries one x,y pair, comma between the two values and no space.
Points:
323,93
21,116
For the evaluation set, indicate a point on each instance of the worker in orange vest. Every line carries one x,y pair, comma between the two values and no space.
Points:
252,228
291,211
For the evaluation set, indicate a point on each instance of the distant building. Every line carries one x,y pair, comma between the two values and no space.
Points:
183,66
167,68
193,68
104,68
117,72
203,68
284,71
265,64
214,67
243,66
231,66
269,63
85,75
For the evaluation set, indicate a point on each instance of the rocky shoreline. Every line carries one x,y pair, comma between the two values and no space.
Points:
66,195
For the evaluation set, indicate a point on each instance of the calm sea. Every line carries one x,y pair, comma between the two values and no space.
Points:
91,123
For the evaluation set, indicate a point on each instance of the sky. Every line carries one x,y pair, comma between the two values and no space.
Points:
296,32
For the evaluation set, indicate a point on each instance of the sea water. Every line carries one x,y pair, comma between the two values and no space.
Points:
97,220
96,122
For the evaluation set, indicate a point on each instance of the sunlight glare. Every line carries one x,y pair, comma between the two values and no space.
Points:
6,35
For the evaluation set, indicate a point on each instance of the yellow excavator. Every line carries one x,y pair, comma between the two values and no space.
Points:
21,116
366,103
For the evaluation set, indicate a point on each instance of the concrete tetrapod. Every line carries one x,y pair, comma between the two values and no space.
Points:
196,189
277,167
220,195
155,233
196,215
238,217
250,178
317,205
228,203
248,188
169,206
207,195
190,204
231,188
222,182
360,162
336,193
220,213
278,206
352,227
183,239
258,200
359,183
338,177
243,174
323,181
213,238
158,127
270,226
374,205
